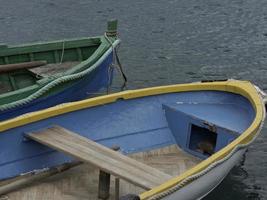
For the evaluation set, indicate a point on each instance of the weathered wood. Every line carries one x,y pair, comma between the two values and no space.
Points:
112,28
104,181
24,65
53,68
103,185
106,159
24,180
81,182
117,188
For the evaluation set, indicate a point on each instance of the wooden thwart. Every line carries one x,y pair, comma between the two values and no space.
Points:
24,65
106,159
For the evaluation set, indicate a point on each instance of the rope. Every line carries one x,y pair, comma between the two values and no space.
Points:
262,93
110,70
63,51
117,60
56,82
215,164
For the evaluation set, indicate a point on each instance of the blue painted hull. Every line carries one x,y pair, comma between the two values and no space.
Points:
83,88
135,125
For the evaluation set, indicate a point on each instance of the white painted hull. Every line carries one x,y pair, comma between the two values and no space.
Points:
202,186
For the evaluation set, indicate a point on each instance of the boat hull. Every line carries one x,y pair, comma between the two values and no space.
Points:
185,115
88,86
201,187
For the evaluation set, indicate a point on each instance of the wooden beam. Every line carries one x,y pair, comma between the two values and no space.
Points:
106,159
24,65
18,182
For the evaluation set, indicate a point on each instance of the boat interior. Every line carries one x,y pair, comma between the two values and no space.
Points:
170,132
81,182
56,58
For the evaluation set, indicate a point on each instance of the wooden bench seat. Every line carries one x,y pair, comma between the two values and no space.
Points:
106,159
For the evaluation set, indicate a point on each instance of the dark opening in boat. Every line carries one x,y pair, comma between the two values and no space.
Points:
202,140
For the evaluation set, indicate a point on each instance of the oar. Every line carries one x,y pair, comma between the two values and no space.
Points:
27,179
24,65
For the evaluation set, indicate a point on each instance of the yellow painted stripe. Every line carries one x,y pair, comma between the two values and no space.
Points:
243,88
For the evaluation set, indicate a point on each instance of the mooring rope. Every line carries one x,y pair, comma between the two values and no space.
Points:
62,52
215,164
263,94
110,70
117,60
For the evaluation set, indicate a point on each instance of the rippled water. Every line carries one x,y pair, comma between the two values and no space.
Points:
166,42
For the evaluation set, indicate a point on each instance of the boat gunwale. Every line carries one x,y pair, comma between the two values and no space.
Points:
36,47
243,88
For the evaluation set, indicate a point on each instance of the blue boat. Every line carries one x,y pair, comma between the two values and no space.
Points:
193,133
41,75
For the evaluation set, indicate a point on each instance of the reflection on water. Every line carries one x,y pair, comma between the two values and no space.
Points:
166,42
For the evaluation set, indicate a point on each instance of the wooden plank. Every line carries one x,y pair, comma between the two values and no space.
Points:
26,179
81,182
17,66
106,159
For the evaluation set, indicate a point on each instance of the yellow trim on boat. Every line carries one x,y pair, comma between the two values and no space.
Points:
243,88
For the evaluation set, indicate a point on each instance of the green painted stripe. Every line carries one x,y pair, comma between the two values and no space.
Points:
48,46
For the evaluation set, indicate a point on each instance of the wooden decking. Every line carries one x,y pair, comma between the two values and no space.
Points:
82,182
42,71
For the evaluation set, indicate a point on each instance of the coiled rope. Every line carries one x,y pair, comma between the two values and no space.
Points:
58,81
215,164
